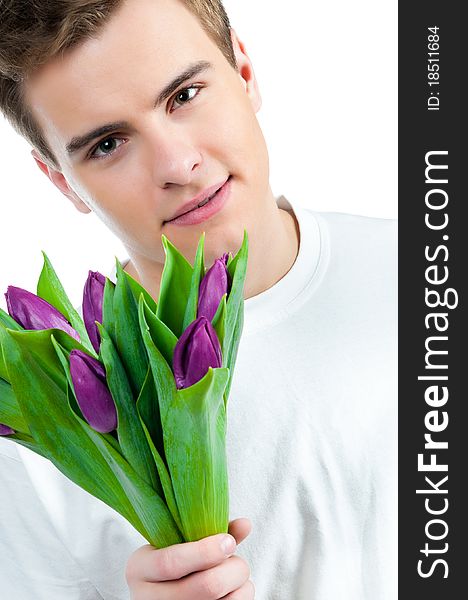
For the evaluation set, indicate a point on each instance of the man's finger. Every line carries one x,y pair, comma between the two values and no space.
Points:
240,529
166,564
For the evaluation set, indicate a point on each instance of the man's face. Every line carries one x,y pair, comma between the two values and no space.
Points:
137,176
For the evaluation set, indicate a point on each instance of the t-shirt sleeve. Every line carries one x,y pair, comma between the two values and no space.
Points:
34,561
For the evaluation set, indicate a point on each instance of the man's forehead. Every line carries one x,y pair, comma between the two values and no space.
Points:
156,44
77,91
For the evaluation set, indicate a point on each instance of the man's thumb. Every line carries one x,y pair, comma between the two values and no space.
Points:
240,529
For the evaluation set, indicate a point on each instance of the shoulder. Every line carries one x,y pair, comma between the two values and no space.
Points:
358,238
349,225
361,254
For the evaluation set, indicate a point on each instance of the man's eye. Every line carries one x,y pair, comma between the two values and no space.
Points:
186,95
105,147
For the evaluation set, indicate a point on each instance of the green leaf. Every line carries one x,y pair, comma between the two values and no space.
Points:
198,273
152,517
237,269
131,437
195,447
49,288
148,409
219,324
162,336
54,427
42,351
174,288
230,361
10,411
239,259
162,372
6,322
82,454
165,480
127,336
108,308
138,289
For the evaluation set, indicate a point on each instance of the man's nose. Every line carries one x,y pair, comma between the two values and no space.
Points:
176,158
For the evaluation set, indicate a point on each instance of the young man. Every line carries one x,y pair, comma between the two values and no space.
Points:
140,110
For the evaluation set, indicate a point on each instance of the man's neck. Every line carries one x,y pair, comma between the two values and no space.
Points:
272,253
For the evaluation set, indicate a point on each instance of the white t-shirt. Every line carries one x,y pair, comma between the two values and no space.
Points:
312,443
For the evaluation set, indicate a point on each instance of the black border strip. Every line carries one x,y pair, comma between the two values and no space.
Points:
432,130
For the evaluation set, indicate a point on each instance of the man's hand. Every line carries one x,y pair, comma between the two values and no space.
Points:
203,570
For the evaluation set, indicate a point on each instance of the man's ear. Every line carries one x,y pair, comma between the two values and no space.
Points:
58,179
246,71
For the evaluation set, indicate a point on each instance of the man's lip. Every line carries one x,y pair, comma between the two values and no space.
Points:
194,202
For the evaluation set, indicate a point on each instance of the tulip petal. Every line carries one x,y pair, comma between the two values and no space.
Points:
34,313
213,287
91,391
93,294
5,430
197,349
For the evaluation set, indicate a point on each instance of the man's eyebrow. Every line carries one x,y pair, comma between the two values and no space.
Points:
80,141
190,71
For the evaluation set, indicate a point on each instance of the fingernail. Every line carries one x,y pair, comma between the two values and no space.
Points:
228,545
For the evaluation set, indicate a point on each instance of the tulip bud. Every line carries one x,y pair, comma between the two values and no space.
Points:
213,286
92,306
32,312
91,391
197,349
5,430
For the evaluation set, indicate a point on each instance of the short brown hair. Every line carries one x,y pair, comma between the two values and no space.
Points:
33,31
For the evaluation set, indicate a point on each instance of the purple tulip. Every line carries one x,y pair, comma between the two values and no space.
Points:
5,430
92,394
213,287
92,306
32,312
197,349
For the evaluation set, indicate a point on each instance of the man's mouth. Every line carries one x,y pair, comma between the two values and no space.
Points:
208,199
194,205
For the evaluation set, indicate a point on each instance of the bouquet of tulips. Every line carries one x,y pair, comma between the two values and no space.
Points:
130,401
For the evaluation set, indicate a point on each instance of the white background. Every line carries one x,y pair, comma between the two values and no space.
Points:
327,74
